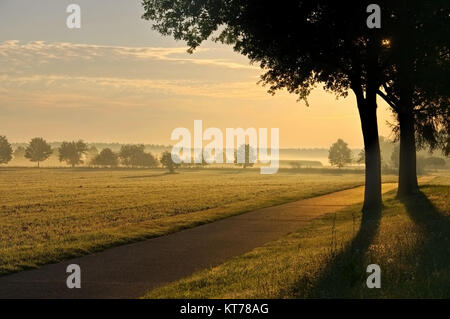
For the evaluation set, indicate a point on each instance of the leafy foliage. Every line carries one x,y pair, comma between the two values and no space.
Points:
340,154
72,152
5,150
38,150
106,158
298,43
167,162
135,156
417,79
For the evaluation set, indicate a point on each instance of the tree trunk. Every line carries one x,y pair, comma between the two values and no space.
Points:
407,174
372,192
367,107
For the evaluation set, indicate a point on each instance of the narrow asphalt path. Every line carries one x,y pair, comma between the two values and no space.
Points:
129,271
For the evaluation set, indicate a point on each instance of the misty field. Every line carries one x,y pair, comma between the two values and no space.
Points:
48,215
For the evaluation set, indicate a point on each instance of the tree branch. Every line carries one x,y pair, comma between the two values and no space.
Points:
387,99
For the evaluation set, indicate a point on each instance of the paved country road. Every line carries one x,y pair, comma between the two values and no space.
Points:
129,271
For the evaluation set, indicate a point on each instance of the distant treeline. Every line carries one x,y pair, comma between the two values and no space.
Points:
76,153
285,153
156,148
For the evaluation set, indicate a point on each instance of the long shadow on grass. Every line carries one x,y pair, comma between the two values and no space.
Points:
426,267
344,271
431,257
150,176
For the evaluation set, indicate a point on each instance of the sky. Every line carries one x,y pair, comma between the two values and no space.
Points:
117,80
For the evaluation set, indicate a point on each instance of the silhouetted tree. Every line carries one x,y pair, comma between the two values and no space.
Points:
135,156
106,158
339,154
5,150
298,44
416,82
144,160
72,152
362,157
167,162
127,152
38,150
301,43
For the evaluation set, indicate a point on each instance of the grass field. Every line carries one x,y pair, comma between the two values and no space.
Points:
410,241
48,215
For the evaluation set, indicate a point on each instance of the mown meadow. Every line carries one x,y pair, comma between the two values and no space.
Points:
48,215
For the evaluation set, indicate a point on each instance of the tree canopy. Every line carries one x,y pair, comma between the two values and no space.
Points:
417,79
72,152
106,158
38,150
298,44
167,161
339,154
5,150
135,156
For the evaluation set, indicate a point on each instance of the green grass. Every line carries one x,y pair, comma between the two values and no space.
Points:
48,215
410,241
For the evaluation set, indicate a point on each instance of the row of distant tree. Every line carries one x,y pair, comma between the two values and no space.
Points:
78,152
340,155
74,153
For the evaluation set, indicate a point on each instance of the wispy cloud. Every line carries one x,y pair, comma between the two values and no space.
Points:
62,75
17,53
126,87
